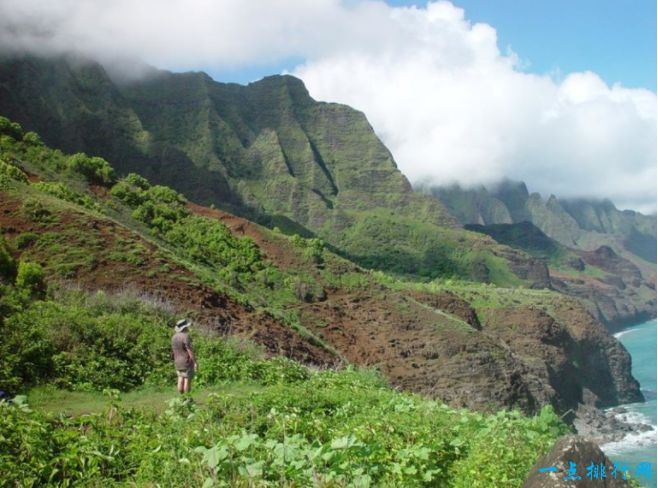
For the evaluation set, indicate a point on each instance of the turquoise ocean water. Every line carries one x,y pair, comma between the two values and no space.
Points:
640,340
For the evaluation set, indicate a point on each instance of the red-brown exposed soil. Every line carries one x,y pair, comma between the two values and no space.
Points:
420,342
429,342
175,285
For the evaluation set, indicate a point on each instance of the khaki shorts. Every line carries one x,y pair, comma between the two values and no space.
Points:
185,373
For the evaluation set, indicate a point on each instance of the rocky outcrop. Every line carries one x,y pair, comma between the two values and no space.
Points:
618,293
608,301
606,426
566,466
616,289
533,270
571,357
451,303
608,260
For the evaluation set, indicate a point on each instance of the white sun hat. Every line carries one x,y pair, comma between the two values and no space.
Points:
182,325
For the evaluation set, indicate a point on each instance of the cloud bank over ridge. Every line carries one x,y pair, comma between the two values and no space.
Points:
449,105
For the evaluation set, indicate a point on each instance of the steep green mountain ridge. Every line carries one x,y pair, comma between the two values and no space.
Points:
266,151
577,223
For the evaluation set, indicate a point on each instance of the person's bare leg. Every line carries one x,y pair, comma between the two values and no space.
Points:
187,384
181,385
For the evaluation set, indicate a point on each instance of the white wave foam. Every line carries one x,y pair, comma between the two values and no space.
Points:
632,440
617,335
633,416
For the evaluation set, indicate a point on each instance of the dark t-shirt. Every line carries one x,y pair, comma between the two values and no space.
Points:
180,342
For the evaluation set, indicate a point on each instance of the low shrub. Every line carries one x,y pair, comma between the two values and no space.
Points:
95,169
30,279
62,191
157,206
10,174
32,138
25,240
11,129
35,211
7,263
210,242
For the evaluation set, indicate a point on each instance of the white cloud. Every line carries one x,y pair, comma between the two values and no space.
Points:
454,109
184,34
436,88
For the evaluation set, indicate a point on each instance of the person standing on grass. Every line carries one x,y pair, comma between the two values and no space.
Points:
181,345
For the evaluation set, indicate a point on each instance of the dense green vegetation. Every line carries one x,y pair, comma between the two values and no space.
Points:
91,342
298,427
258,421
333,429
207,242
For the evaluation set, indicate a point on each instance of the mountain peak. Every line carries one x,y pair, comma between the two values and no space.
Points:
292,85
284,79
266,150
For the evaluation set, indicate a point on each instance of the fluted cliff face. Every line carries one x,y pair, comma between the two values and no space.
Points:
577,223
266,151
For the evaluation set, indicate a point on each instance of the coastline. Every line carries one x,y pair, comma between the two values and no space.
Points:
621,325
639,444
612,424
627,433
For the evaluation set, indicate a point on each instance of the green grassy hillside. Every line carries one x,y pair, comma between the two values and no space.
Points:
78,330
255,422
86,228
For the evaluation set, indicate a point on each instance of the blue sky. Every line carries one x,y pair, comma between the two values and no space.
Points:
614,38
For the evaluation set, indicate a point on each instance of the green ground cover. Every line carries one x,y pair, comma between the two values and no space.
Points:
333,429
251,421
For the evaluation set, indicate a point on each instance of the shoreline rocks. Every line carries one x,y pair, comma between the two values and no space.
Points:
603,427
